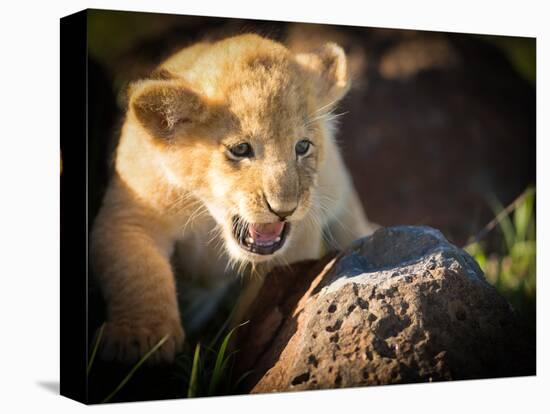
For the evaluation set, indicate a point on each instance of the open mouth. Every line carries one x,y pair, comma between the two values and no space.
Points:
260,238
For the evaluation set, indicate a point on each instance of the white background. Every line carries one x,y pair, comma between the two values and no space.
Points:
29,203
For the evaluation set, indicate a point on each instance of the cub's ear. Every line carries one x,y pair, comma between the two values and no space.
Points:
329,66
167,108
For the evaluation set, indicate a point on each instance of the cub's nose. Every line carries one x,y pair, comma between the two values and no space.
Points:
280,211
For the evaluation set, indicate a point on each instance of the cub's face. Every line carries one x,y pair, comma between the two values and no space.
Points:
252,151
261,180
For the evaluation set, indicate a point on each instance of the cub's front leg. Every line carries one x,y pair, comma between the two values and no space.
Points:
130,251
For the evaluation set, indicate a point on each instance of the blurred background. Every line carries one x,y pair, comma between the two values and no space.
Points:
439,128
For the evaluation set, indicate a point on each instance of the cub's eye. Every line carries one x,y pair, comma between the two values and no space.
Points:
242,150
302,147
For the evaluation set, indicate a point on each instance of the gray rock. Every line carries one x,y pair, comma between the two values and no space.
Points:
403,305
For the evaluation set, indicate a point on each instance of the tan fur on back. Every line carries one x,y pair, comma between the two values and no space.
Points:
176,183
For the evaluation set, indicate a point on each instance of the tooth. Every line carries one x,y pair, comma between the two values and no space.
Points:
278,239
249,240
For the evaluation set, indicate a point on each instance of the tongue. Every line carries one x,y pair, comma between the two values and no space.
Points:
265,233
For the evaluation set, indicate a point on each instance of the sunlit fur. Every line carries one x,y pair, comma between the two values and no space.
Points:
174,180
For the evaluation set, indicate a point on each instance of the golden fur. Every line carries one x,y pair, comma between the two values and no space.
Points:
174,181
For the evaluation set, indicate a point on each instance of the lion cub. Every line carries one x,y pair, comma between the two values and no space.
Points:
228,150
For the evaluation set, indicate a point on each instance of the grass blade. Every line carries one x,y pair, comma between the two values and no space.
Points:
523,215
219,365
192,389
135,368
505,224
94,351
223,328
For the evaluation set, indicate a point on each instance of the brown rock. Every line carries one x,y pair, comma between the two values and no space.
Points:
400,306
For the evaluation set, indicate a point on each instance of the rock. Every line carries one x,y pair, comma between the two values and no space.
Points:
403,305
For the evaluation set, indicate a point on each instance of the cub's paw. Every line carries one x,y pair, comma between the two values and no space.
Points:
127,342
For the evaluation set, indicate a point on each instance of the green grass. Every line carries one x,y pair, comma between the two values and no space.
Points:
192,386
208,370
508,258
204,374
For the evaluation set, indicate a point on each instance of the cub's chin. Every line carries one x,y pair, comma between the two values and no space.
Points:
257,242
